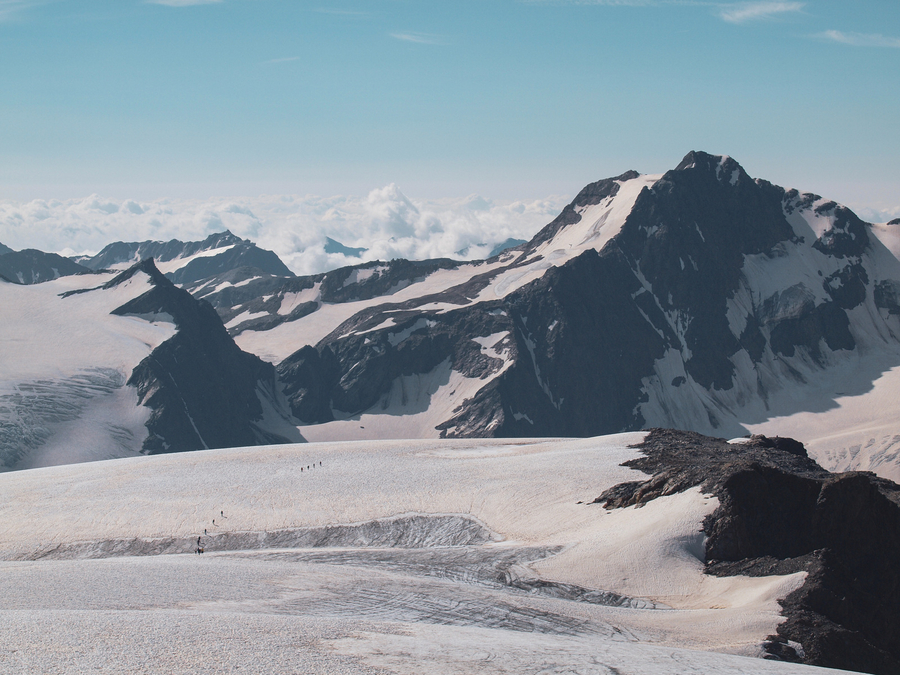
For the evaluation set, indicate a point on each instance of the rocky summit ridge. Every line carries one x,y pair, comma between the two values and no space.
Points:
699,299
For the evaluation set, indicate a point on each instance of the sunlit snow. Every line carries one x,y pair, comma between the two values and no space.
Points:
436,552
63,366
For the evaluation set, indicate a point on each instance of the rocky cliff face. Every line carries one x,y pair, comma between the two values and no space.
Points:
203,391
699,299
779,512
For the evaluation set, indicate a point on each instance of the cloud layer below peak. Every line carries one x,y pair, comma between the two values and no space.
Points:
385,222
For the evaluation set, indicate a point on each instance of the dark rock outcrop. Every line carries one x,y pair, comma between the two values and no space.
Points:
779,512
202,389
318,382
334,246
30,266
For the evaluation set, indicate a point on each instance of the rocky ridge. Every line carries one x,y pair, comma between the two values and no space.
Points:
780,512
700,299
203,391
30,266
235,253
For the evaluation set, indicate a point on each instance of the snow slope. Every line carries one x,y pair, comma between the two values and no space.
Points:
63,368
553,585
849,432
598,224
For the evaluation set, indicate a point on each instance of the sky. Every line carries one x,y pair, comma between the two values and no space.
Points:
511,100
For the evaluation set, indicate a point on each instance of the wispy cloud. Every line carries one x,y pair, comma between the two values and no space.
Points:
283,59
617,3
341,12
752,11
8,8
420,38
182,3
860,39
733,12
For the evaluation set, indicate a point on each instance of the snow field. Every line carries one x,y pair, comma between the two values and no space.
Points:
437,609
599,223
277,344
43,326
63,366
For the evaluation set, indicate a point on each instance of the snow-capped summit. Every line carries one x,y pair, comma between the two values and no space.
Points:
700,299
192,261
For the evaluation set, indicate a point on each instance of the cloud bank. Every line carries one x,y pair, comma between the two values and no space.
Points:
386,222
871,215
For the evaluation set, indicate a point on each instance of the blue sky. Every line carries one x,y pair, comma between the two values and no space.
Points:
506,98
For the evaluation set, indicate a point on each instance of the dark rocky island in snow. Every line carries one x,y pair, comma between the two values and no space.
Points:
780,512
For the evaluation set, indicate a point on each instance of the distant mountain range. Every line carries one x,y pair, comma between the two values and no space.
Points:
699,299
187,262
181,262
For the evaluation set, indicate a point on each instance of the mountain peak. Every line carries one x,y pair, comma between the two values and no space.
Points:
147,265
697,159
723,167
220,239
